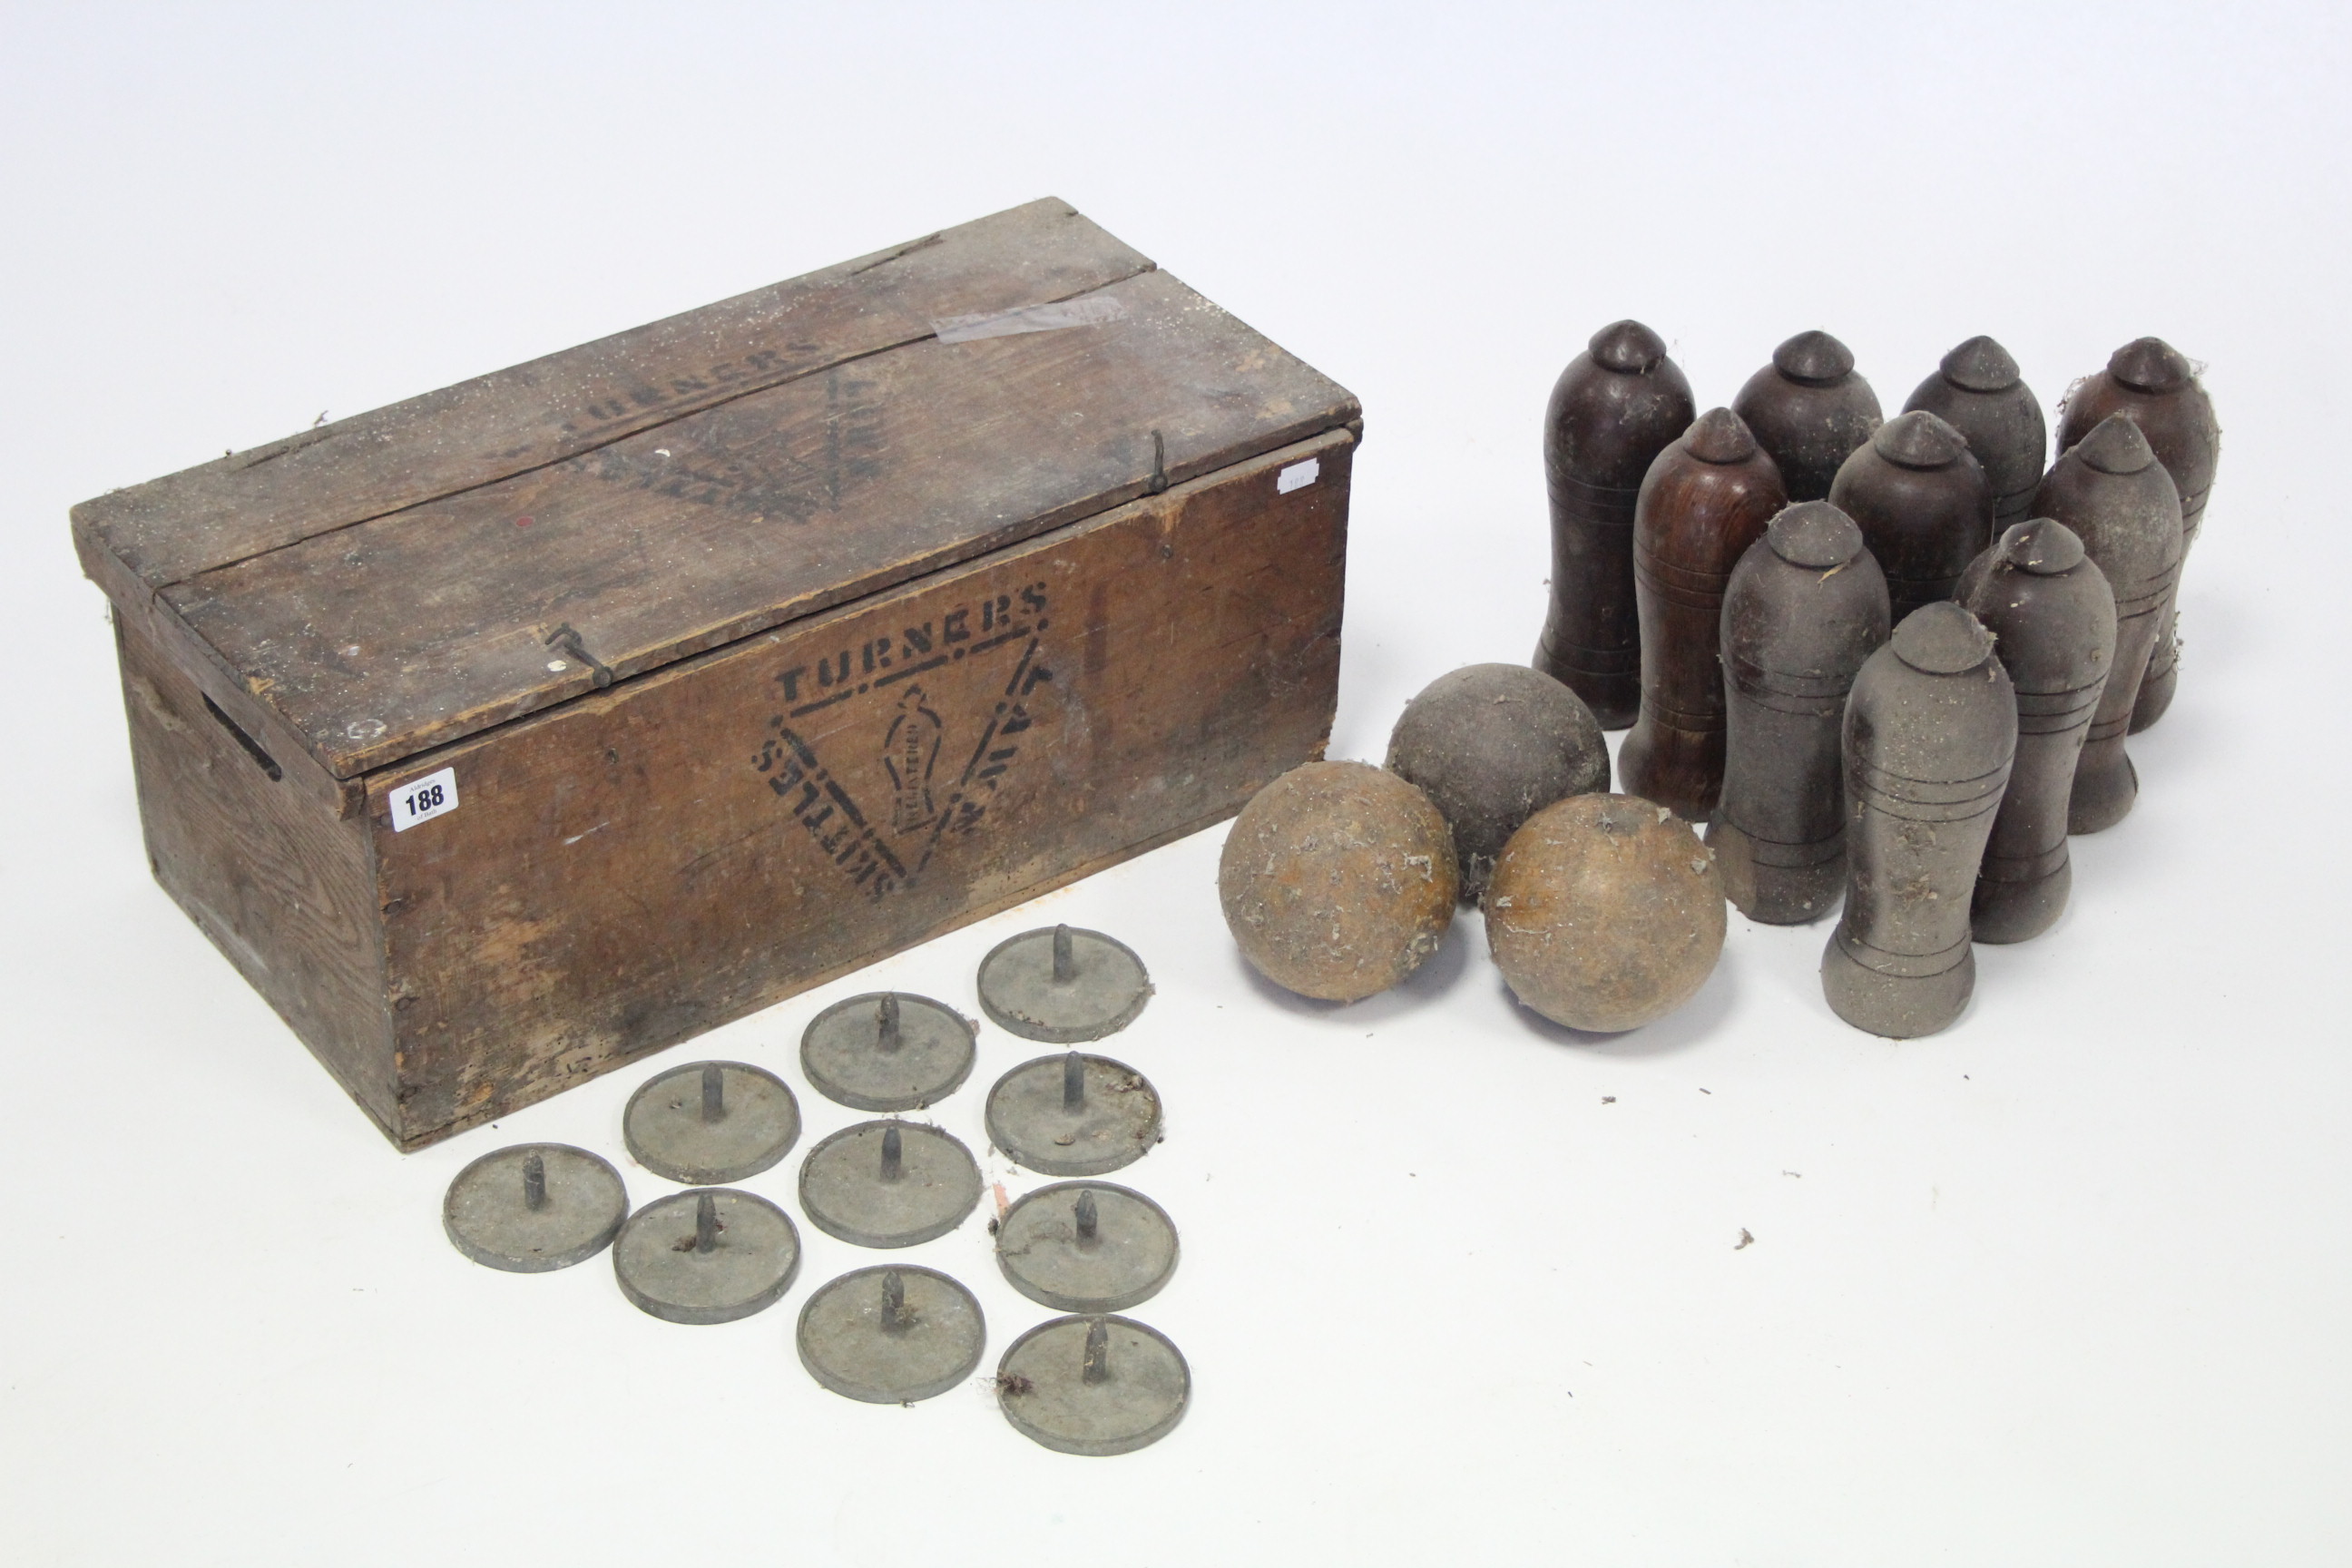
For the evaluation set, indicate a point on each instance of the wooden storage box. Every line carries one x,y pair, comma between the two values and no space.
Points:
504,735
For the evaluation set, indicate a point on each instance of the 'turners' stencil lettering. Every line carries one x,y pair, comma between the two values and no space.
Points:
828,757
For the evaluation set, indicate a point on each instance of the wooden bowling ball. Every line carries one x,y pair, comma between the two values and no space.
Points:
1606,912
1492,744
1338,880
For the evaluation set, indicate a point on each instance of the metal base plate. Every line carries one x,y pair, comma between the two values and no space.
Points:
490,1218
1112,1118
671,1130
1063,985
663,1267
887,1050
1087,1247
1093,1385
892,1335
888,1184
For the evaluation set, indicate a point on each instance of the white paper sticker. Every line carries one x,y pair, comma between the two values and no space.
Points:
1299,475
434,795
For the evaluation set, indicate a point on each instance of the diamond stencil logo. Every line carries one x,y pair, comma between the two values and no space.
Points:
869,724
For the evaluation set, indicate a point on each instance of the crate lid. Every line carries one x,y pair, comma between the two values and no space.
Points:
401,579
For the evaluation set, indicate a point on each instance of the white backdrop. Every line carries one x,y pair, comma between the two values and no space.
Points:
2068,1284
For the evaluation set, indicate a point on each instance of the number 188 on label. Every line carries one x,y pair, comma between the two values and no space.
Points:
434,795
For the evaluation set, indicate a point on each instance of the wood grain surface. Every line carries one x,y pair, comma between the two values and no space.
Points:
283,885
494,426
761,643
648,862
380,639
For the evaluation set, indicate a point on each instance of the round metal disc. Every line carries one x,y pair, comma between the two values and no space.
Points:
709,1123
892,1335
1087,1247
1062,984
663,1267
887,1050
1093,1386
1112,1119
490,1219
849,1189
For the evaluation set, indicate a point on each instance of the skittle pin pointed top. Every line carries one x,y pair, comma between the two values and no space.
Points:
2114,446
1918,440
1065,963
706,1223
534,1181
1942,638
2151,364
886,1022
893,1302
1627,347
1814,534
1719,436
1980,364
714,1092
1814,358
1097,1368
1073,1082
2042,546
893,1154
1088,1221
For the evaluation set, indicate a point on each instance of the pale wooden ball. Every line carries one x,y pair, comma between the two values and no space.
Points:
1338,880
1605,911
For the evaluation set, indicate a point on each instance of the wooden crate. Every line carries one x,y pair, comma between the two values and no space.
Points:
504,735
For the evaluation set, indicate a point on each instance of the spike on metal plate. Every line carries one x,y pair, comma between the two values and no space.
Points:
1087,1247
888,1184
672,1262
709,1123
1096,1385
887,1050
532,1208
1063,984
891,1335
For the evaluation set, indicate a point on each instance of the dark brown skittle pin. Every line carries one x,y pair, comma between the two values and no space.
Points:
1978,392
1708,498
1809,409
1613,410
1920,499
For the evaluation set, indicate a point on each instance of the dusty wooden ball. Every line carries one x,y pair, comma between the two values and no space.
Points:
1492,744
1605,911
1338,880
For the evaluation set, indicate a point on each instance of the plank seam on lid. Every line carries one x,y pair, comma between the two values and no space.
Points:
1221,390
441,752
682,412
475,430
